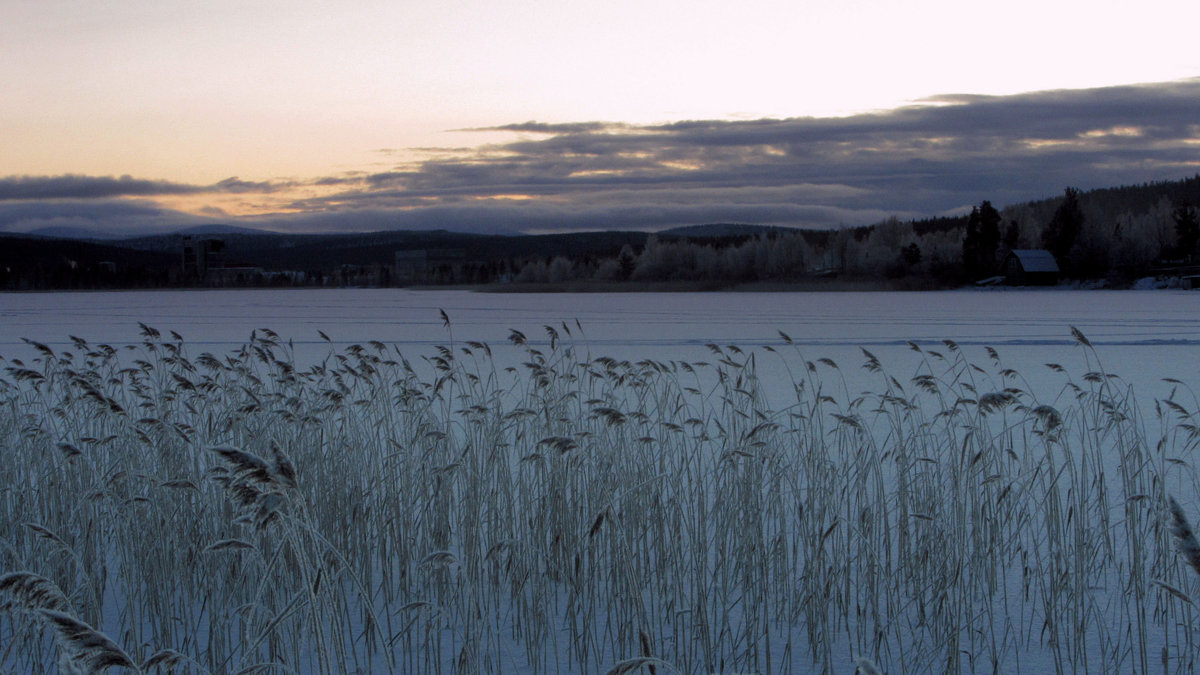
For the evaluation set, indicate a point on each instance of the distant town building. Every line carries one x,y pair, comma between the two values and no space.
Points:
202,255
1030,267
365,276
234,275
204,262
428,265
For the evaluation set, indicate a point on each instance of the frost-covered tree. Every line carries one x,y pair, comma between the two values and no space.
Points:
738,263
652,264
881,254
627,261
1025,224
788,256
560,270
708,263
838,251
941,255
609,269
664,260
534,271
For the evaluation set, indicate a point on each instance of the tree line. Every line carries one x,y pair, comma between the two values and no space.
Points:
1117,234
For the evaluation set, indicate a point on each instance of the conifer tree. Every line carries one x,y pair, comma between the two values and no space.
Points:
1187,230
971,246
1060,233
989,238
982,241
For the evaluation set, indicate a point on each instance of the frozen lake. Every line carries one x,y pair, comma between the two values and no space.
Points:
1056,530
1141,335
996,318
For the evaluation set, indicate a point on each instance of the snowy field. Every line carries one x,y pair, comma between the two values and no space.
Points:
995,317
1141,335
338,481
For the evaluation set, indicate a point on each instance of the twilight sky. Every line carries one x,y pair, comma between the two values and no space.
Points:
534,116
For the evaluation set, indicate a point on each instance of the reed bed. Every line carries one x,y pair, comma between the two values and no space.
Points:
532,507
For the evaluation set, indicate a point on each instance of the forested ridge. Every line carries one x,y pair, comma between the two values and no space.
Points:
1116,234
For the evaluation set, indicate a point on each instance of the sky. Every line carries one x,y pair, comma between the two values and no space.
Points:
532,116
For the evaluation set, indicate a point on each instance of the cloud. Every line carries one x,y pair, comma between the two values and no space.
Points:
933,157
914,162
546,128
71,186
926,158
235,185
493,218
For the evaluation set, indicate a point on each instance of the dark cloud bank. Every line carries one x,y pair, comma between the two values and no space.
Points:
939,156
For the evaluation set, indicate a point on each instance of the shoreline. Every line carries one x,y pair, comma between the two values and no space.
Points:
843,285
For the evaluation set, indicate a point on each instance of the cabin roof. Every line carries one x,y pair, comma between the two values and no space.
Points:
1036,260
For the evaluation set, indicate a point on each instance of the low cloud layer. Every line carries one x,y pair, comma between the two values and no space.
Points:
71,186
23,188
938,156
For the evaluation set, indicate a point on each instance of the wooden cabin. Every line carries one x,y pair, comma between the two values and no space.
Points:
1030,267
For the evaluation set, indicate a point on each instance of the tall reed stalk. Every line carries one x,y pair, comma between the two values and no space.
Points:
534,507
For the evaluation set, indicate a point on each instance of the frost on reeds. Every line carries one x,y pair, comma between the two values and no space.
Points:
537,507
1185,538
85,647
31,591
254,483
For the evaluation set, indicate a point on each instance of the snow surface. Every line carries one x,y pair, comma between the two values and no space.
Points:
1141,336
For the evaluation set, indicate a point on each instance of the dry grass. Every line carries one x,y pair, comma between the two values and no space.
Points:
533,507
83,646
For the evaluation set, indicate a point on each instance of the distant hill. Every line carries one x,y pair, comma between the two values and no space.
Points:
71,232
90,234
217,228
18,249
319,251
1128,230
721,230
31,263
